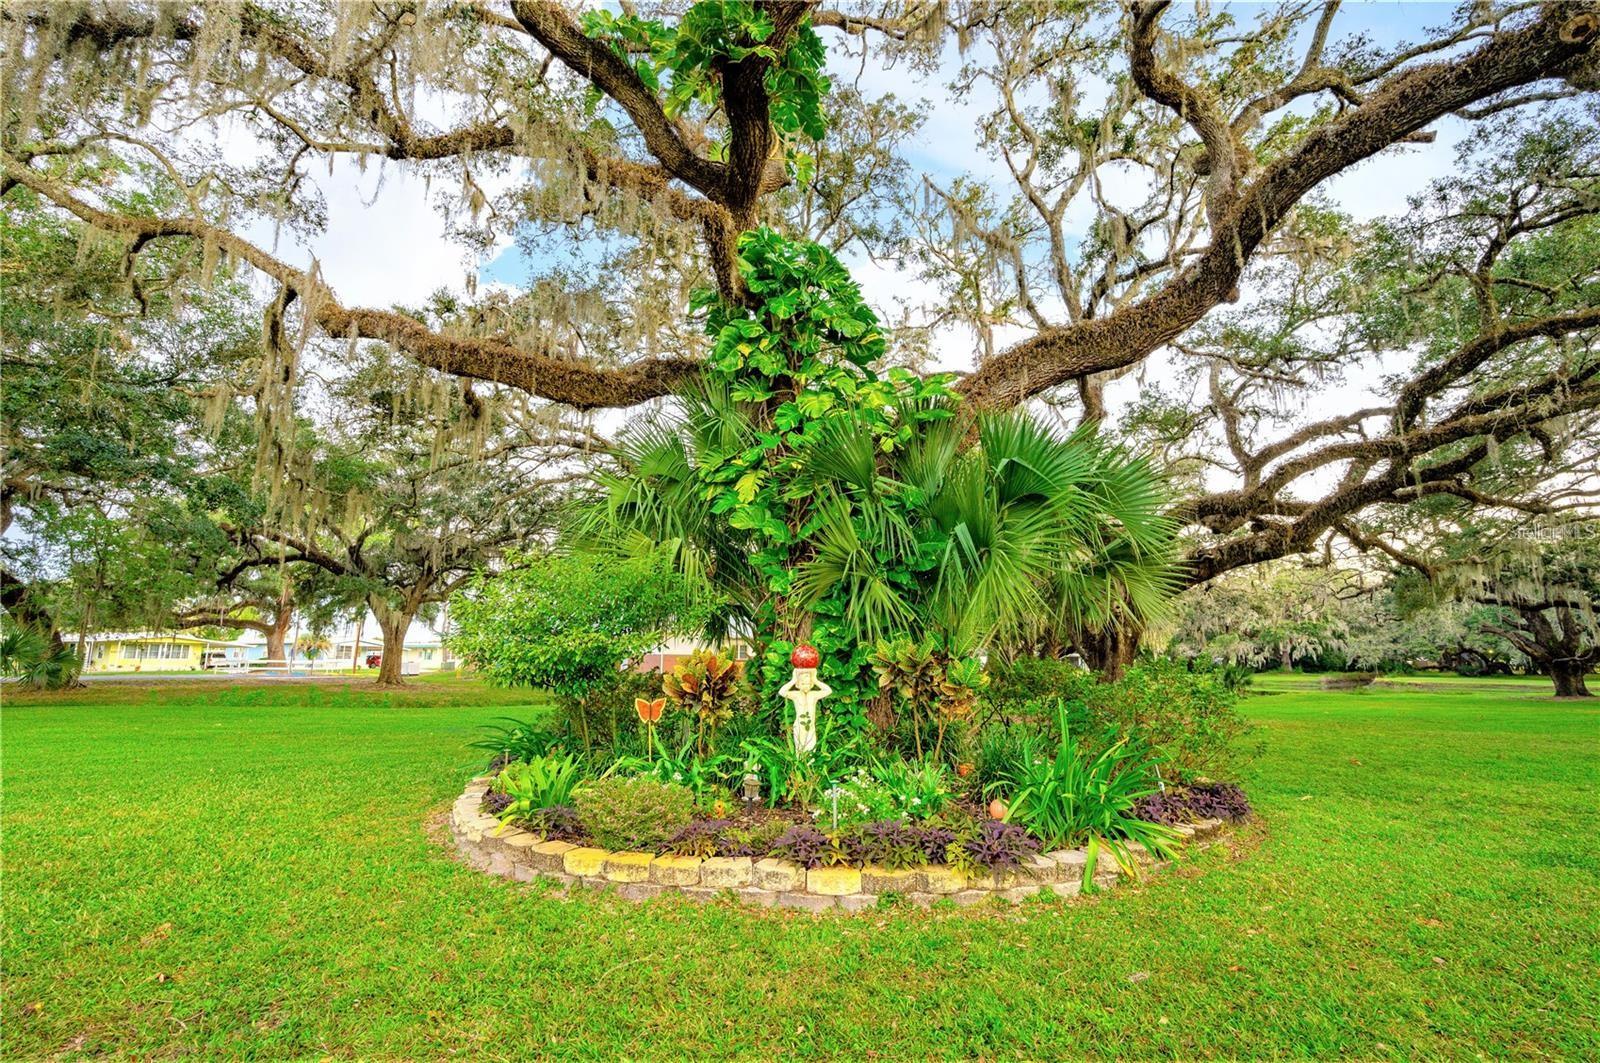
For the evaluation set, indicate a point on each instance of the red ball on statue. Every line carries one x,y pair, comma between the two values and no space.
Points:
805,656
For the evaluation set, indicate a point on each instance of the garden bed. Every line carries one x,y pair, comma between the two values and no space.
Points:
515,853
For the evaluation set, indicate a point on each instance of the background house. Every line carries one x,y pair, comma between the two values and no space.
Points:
153,651
666,657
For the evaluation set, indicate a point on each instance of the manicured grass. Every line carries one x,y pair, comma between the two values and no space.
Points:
229,873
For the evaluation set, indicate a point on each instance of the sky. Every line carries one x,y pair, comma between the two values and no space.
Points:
385,243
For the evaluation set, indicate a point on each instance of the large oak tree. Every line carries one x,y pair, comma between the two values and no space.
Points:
667,139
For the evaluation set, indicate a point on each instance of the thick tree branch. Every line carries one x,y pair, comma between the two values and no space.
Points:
541,373
1402,105
553,27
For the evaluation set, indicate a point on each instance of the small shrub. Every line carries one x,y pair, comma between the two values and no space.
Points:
638,813
892,843
753,840
557,821
1189,721
702,838
1019,689
1216,800
803,844
995,844
495,802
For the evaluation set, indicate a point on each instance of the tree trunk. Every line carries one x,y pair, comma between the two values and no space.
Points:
279,631
1110,650
1568,677
394,623
1286,660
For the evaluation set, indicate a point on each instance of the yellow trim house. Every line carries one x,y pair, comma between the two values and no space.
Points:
143,651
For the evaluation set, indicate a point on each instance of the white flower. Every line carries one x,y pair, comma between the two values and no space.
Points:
677,776
916,800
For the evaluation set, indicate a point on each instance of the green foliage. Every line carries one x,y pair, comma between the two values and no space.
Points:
1001,750
1185,721
859,797
816,494
517,739
689,56
803,779
538,783
567,623
29,656
1071,797
633,813
1018,687
919,790
704,775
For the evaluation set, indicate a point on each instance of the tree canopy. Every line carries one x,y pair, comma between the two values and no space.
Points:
1162,209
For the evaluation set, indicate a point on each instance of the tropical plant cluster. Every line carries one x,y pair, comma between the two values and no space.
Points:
1115,766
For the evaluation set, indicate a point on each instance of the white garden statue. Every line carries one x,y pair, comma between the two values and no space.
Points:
805,689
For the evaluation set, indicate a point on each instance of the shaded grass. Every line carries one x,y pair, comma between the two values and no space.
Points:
248,872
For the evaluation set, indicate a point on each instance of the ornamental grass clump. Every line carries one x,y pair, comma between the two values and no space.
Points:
636,814
543,782
1071,798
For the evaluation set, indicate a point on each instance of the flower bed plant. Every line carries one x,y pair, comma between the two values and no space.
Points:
847,804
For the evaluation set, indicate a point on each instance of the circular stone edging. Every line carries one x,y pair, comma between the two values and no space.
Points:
521,855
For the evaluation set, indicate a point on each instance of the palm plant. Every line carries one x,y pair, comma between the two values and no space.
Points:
1022,522
35,660
970,541
654,497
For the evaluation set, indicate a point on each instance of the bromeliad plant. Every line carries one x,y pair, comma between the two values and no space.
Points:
1066,798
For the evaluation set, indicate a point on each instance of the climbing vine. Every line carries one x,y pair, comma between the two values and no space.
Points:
686,59
800,356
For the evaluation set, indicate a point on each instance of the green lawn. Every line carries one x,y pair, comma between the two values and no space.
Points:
218,872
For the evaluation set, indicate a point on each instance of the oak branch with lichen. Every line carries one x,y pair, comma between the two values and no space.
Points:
723,196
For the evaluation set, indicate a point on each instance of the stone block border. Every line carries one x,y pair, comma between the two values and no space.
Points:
516,854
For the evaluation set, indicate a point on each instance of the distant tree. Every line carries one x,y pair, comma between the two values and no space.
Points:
111,368
1273,614
415,483
1543,594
